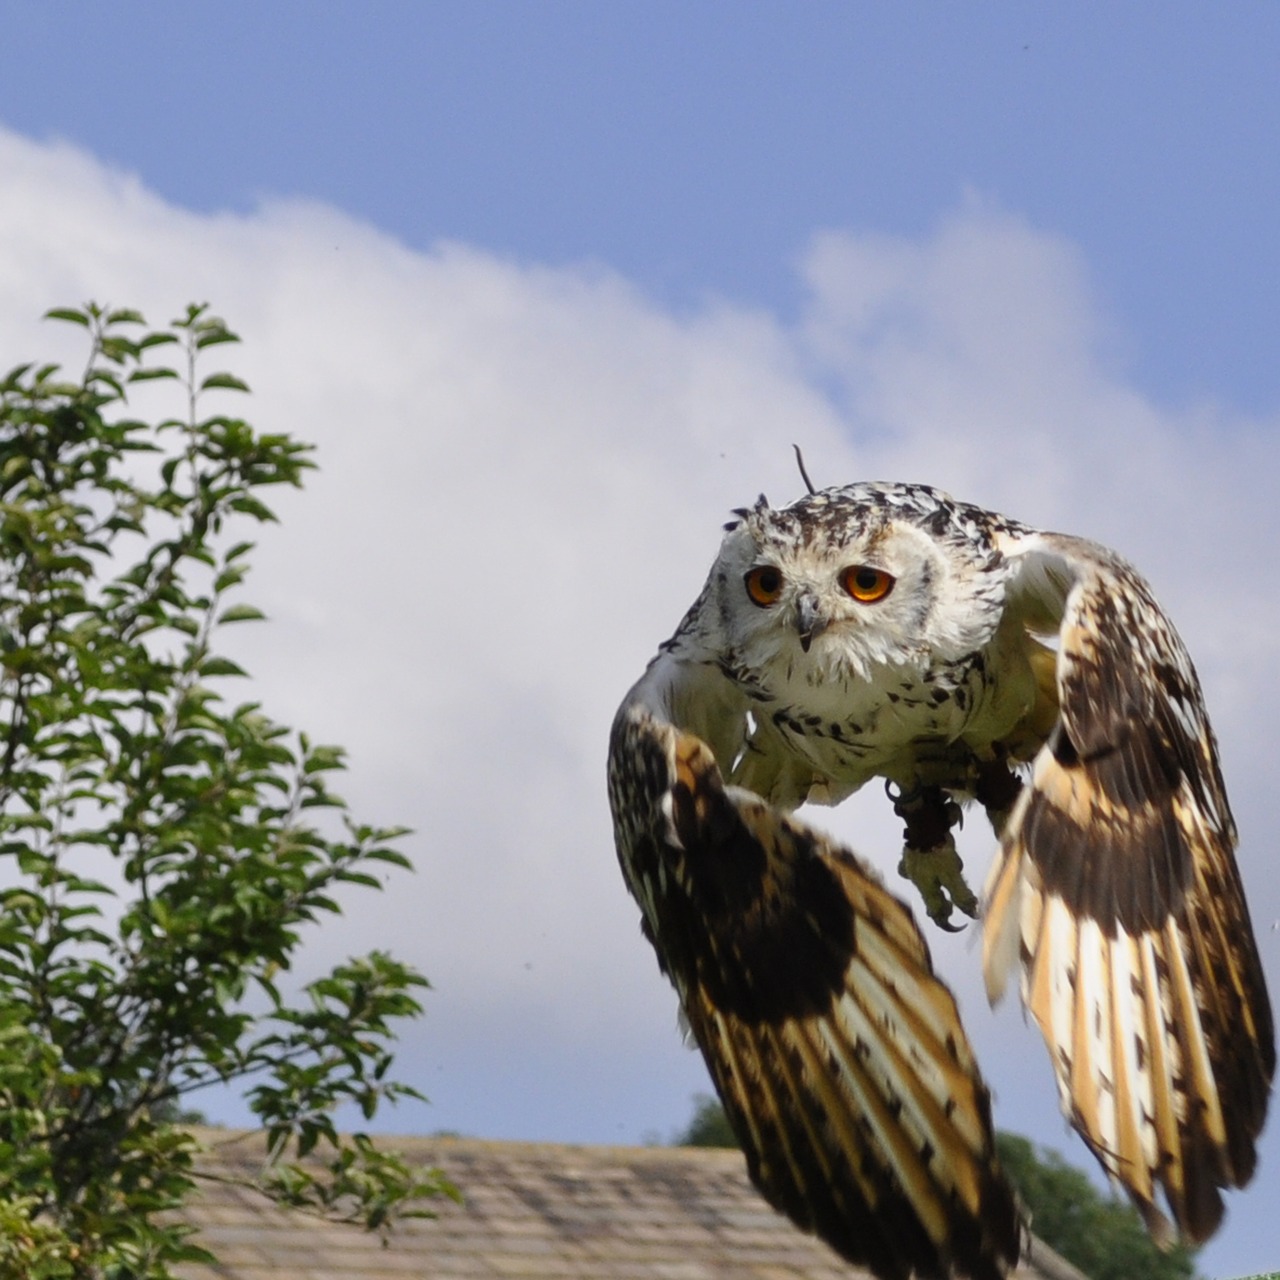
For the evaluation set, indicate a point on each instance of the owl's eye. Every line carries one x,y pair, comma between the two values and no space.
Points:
865,584
764,584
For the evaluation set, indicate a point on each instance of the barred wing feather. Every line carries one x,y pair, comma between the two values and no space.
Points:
1117,890
838,1054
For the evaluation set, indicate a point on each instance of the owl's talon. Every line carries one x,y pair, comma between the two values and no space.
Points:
939,875
929,813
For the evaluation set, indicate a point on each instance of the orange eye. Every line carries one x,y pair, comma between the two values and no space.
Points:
865,584
764,584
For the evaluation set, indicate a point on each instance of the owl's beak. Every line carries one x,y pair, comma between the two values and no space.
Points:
811,622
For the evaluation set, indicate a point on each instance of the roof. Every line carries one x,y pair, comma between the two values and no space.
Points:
539,1211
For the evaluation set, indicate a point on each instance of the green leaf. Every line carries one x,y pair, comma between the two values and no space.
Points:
229,578
226,380
117,348
241,613
252,507
67,313
390,856
322,758
214,337
221,667
156,340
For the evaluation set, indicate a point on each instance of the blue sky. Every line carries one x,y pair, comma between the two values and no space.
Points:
695,146
560,284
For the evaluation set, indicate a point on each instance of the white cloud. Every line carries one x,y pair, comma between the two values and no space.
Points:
524,471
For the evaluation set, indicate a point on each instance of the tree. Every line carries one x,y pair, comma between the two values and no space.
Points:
708,1126
162,847
1101,1235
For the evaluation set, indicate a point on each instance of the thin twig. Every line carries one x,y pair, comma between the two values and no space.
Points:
804,475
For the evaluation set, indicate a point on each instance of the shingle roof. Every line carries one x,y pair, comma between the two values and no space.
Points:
539,1211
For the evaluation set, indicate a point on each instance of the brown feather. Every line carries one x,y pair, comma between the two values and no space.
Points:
839,1056
1116,867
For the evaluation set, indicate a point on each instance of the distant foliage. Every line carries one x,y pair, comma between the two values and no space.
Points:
162,844
1101,1235
708,1127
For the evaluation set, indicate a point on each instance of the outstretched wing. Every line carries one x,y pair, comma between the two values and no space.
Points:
1117,887
839,1056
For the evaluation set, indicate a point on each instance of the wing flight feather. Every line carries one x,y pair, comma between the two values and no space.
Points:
839,1055
1117,888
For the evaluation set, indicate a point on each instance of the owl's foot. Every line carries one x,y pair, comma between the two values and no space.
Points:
939,875
929,857
997,788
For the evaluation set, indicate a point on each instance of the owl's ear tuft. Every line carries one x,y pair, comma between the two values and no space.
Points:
745,513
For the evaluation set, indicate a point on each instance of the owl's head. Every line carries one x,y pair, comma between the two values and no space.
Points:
846,580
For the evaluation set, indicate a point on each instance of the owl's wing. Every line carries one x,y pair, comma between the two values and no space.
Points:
839,1056
1117,887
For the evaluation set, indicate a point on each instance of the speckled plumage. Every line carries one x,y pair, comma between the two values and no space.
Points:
888,631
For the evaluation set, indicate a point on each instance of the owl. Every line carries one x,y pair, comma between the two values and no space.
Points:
888,632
